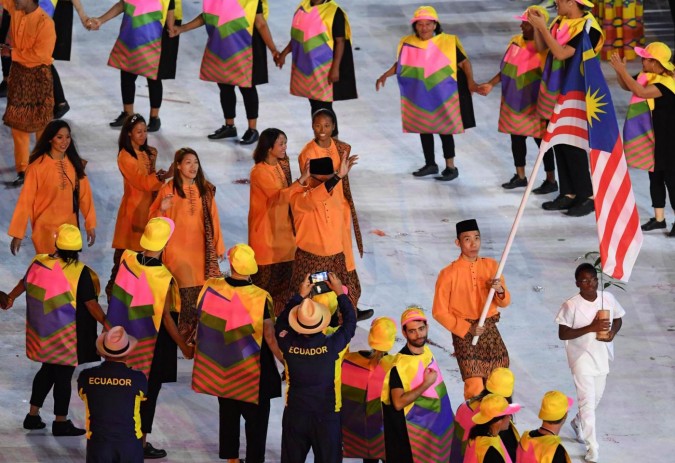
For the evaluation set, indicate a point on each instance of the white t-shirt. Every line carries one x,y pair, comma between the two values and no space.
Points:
585,354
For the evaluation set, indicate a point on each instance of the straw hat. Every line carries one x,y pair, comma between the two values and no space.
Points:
493,406
157,233
68,238
658,51
242,259
309,317
501,382
115,343
554,406
382,334
424,12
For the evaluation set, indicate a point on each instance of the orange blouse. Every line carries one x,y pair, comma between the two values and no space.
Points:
319,220
185,254
313,151
461,290
32,36
140,183
46,199
270,232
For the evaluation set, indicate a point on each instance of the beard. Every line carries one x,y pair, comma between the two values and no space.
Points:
419,342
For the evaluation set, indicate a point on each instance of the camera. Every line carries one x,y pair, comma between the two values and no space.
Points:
319,279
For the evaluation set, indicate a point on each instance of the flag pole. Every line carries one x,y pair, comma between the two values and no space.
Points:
512,234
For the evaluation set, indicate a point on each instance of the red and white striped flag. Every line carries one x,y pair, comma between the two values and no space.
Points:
584,117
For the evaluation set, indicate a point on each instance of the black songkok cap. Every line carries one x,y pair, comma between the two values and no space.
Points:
466,226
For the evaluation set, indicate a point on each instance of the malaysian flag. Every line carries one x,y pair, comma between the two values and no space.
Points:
584,117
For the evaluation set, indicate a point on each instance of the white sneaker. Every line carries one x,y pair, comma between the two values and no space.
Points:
578,432
592,455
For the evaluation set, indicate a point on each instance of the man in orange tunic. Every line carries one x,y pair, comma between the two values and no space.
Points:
461,291
30,92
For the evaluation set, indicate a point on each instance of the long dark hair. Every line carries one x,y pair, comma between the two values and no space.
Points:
202,185
124,142
483,429
43,146
69,257
268,138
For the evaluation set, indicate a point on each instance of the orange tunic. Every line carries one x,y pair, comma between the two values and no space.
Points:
32,36
313,151
319,220
46,199
270,232
185,254
139,184
461,290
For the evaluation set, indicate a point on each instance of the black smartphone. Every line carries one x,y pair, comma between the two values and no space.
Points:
319,279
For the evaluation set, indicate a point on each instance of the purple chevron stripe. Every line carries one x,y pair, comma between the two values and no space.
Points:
212,343
437,423
226,47
118,314
637,126
308,62
519,99
134,38
429,100
552,77
46,324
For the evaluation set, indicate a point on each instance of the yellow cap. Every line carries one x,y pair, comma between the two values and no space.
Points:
493,406
382,334
658,51
587,3
412,314
157,233
329,299
539,8
554,406
424,12
501,382
68,238
242,259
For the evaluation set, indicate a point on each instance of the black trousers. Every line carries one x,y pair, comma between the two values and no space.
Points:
304,430
58,377
315,105
114,452
149,405
59,96
573,171
658,183
128,84
228,101
256,418
428,147
519,150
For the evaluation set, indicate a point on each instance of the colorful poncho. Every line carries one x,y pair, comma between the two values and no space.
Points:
429,419
312,47
477,448
137,304
521,70
638,131
427,79
51,302
139,44
563,30
49,6
362,426
229,337
538,449
228,57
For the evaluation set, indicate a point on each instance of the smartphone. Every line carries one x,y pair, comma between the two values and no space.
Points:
319,279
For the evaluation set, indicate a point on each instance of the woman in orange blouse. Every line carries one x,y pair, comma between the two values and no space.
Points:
136,161
196,245
270,228
55,189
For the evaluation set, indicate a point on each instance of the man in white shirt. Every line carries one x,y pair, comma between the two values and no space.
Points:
578,324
